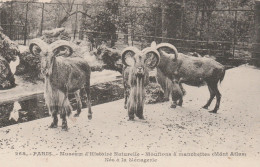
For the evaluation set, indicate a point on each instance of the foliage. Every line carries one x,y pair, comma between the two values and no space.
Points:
104,19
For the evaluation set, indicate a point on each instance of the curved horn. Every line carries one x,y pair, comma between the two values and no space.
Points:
167,45
131,49
157,54
62,44
40,43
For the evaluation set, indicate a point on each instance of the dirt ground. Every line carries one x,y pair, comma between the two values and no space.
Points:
229,138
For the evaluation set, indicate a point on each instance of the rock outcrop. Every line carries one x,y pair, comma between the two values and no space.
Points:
8,52
6,76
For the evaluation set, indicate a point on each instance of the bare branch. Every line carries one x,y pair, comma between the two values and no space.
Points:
81,13
64,8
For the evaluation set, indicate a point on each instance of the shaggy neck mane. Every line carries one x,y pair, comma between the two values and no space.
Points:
54,97
137,92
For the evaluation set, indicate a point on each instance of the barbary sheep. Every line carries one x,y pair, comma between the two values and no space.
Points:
194,71
64,72
136,77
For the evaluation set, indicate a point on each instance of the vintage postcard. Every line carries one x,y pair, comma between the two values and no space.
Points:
129,83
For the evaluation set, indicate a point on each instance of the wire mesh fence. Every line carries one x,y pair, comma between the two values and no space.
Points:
207,31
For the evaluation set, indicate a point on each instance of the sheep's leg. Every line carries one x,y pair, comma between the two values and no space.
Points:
218,96
139,113
174,104
64,121
167,89
79,104
131,114
65,109
212,95
54,112
180,102
182,89
126,94
87,88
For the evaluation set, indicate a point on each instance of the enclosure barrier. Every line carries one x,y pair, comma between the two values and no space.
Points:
256,45
134,17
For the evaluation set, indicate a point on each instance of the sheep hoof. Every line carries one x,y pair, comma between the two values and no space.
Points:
125,107
141,117
64,128
90,116
180,104
131,119
53,125
213,111
173,106
205,107
76,115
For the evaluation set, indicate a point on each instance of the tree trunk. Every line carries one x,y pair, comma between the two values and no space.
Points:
62,21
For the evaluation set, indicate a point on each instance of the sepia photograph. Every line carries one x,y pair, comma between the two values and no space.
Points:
133,83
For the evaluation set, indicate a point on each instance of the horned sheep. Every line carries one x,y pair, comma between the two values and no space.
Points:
64,72
194,71
136,77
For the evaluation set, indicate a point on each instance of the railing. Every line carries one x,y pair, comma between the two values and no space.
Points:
193,29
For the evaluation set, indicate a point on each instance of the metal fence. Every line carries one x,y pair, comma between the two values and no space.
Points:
217,32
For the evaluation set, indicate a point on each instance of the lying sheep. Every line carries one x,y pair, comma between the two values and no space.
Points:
194,71
135,78
64,73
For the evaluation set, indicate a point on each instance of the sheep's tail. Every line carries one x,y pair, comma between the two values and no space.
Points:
222,76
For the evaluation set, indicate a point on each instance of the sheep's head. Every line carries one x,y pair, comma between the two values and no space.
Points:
48,53
167,46
148,58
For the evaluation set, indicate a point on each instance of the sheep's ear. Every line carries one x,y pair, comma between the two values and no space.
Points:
35,49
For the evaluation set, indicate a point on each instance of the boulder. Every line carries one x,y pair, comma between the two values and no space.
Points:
8,52
30,65
111,57
154,93
82,48
8,48
7,79
50,36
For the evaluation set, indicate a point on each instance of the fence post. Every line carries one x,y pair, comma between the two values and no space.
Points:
234,35
25,26
11,22
256,45
76,21
164,27
42,19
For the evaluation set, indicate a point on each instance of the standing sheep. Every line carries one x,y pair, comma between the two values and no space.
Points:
135,78
194,71
64,73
